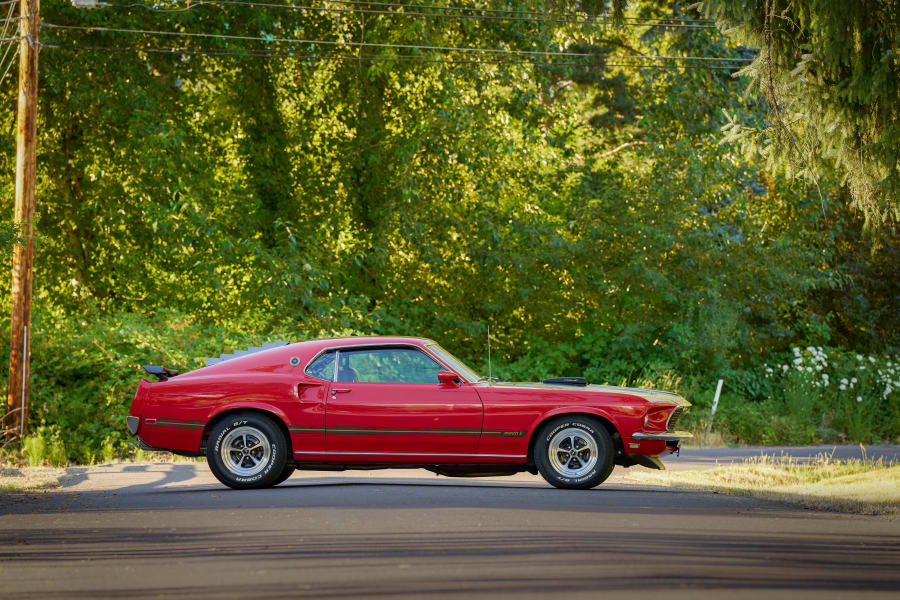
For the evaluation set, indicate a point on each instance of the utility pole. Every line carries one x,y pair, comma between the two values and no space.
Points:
23,217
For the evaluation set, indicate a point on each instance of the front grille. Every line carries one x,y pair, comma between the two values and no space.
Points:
673,418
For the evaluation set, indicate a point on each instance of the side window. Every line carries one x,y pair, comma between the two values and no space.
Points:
322,367
387,365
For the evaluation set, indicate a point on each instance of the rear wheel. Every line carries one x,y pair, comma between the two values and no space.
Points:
247,451
574,452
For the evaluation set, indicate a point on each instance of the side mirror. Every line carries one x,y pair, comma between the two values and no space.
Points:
448,377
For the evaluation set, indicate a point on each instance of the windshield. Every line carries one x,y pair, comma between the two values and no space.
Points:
454,363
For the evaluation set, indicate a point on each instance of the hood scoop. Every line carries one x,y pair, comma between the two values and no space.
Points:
239,353
576,381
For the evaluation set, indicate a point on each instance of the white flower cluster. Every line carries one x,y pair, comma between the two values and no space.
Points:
886,377
813,361
845,383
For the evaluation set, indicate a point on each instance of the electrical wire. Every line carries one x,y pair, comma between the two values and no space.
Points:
458,8
251,52
273,40
544,18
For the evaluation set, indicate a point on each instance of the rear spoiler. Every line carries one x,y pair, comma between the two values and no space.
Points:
161,373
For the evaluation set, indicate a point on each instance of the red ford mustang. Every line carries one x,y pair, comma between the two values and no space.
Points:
387,402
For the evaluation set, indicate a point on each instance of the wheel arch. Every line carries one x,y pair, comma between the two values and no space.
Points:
604,420
272,413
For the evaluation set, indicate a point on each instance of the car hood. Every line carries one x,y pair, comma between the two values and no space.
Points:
650,395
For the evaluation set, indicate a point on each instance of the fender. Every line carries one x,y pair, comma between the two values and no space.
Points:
591,410
245,404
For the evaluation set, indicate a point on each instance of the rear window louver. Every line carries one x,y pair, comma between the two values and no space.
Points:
239,353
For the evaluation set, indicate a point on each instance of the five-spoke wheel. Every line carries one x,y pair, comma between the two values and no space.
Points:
574,452
247,450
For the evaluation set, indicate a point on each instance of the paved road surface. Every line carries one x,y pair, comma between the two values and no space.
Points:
171,531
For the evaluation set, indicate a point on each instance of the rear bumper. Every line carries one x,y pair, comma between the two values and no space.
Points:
665,436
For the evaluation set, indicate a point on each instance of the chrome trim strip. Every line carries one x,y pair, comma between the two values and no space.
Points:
322,452
666,436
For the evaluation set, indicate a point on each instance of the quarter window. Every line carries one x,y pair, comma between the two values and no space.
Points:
387,365
322,367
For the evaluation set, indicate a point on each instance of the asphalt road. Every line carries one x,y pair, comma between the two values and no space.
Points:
171,531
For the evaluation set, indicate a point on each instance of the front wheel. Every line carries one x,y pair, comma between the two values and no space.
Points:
574,452
247,451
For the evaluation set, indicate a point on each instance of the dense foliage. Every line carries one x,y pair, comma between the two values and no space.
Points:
590,214
831,74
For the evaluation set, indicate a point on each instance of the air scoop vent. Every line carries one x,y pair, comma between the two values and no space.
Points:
239,353
577,381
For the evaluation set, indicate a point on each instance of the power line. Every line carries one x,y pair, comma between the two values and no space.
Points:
273,40
464,8
251,52
441,13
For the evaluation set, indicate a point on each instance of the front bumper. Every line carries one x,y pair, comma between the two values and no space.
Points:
665,436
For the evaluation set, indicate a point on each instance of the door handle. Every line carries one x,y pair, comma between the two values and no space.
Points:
339,390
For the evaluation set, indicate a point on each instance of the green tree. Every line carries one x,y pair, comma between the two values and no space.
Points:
830,73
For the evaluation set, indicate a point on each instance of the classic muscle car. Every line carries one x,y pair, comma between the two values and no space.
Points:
391,402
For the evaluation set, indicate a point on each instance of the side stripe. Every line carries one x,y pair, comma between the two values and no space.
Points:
177,423
299,429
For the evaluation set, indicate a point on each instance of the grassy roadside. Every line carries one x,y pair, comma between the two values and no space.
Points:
855,486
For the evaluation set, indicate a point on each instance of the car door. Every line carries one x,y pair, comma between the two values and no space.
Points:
388,400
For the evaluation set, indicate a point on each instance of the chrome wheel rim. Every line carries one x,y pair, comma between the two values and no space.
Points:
573,452
245,451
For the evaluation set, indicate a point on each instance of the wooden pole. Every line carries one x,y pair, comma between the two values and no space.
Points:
23,215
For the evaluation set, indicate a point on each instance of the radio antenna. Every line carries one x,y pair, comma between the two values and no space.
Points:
490,378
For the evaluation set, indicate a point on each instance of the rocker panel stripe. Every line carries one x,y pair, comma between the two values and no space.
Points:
441,454
390,431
